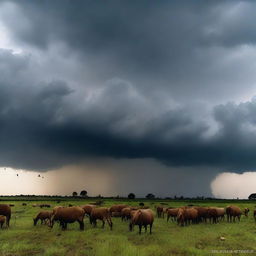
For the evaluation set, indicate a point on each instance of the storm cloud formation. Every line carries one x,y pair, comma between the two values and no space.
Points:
135,79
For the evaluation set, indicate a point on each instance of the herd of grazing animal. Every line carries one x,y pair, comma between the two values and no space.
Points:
196,214
137,216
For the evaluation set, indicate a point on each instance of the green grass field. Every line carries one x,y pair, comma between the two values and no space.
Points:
24,239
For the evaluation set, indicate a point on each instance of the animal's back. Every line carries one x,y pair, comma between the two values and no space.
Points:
69,213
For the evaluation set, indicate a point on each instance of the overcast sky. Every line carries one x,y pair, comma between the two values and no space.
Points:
156,95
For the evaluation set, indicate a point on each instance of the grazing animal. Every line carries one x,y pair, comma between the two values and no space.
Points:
212,214
6,211
44,216
117,208
88,209
67,215
24,204
11,205
142,217
172,213
220,213
2,220
54,210
117,214
103,214
202,213
126,212
160,211
233,211
246,212
187,215
254,214
45,205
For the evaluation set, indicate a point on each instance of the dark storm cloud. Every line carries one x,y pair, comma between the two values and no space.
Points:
176,46
47,126
134,79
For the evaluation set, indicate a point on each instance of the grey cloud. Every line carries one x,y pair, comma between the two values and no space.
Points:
181,48
52,125
142,78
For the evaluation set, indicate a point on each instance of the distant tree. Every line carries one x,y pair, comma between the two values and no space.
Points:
83,193
150,196
74,193
131,196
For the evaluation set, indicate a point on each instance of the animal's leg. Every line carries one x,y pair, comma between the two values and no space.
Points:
103,223
81,223
140,226
52,223
150,228
110,223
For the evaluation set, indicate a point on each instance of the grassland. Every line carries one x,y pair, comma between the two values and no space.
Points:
24,239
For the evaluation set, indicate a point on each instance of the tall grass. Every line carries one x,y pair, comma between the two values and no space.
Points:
23,239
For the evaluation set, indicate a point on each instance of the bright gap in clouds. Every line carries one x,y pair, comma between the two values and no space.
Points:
5,41
233,185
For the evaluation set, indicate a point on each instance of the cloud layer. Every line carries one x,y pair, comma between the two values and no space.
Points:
90,81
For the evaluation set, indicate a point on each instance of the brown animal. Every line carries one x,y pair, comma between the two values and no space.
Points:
187,215
142,217
117,208
116,214
233,211
44,216
220,213
24,204
160,211
103,214
212,214
254,214
172,213
2,220
67,215
45,205
126,212
202,213
54,210
88,208
6,211
246,212
11,205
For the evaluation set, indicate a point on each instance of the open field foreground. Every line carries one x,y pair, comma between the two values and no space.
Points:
23,239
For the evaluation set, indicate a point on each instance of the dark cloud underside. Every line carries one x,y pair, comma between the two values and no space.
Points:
134,79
